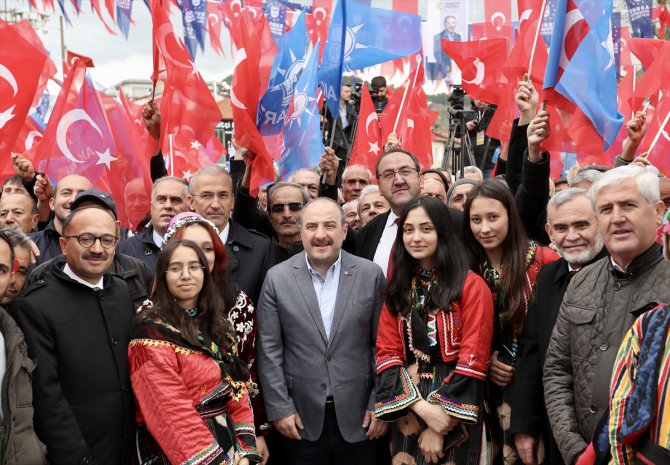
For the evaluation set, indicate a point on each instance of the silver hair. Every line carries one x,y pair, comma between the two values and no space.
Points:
369,189
17,238
169,178
278,185
566,195
473,169
646,182
313,171
586,175
349,168
324,199
211,170
352,203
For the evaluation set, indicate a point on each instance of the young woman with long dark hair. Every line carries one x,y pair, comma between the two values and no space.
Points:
433,342
237,306
509,262
190,386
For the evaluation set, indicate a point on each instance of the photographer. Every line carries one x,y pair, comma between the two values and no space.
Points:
343,125
378,93
483,145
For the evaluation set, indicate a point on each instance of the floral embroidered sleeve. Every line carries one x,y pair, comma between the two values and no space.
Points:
395,390
460,394
243,319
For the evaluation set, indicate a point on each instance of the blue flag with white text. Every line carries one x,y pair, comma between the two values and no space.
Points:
124,9
194,18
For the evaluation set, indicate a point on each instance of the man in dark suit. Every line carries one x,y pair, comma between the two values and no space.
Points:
572,226
400,181
212,195
317,325
449,33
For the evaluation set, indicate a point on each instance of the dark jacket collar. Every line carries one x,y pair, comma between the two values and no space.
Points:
640,264
147,235
59,265
236,234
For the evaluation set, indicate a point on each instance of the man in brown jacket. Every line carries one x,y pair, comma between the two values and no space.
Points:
601,303
18,442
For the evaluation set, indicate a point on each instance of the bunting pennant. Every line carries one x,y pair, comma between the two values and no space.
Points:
214,21
124,9
194,14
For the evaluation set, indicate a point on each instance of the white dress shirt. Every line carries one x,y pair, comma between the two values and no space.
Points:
385,246
68,271
224,234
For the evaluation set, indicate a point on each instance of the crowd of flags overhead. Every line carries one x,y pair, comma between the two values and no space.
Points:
279,90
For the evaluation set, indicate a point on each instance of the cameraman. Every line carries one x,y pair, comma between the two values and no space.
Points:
483,145
343,125
378,93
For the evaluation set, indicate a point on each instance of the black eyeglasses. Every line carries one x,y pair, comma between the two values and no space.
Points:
87,240
279,207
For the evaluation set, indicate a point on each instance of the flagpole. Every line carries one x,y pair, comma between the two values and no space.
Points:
404,95
658,134
171,155
537,35
632,111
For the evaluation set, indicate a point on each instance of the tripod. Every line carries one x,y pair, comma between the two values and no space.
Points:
460,156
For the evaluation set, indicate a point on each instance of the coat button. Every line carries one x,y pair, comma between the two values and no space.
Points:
40,282
593,409
604,346
236,248
114,341
323,387
328,358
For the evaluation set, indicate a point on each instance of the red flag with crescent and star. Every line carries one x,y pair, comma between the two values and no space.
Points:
498,19
367,144
89,133
189,112
480,62
21,66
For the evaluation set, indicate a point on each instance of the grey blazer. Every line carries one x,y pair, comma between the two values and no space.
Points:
296,361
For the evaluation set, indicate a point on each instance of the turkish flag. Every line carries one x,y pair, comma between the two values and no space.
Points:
245,92
186,156
188,109
413,128
659,131
646,50
318,22
367,143
214,20
479,31
498,14
480,62
90,134
519,62
656,78
21,66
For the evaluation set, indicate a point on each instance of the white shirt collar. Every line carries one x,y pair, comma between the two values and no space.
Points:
390,221
333,267
617,267
68,271
224,234
571,269
158,240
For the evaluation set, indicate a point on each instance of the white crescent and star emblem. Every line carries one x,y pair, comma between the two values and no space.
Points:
494,16
481,72
64,124
524,16
7,115
571,18
371,117
323,13
240,56
213,21
30,138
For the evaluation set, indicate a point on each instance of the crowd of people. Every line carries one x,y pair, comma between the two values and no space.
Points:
395,317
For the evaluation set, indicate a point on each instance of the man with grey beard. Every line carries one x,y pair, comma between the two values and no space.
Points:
573,229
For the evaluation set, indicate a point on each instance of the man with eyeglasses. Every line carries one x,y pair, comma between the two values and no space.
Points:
400,180
77,323
134,272
211,194
168,198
